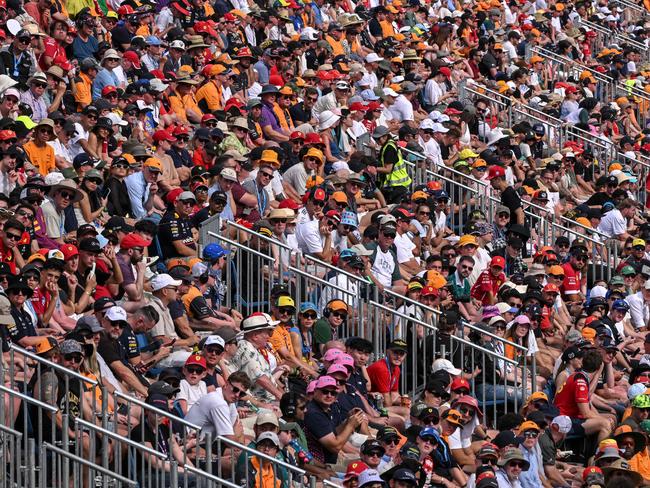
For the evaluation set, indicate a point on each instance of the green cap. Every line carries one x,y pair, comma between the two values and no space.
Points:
27,122
69,173
628,271
617,280
93,173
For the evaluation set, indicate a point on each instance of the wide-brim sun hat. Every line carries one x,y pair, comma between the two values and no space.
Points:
327,119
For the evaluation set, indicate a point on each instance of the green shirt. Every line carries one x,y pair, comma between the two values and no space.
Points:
321,334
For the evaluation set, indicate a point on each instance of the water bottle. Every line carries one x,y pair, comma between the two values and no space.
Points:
303,455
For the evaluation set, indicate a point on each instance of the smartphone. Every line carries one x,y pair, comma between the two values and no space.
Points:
92,270
169,344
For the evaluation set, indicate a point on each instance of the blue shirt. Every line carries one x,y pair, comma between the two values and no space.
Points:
103,78
262,72
138,189
82,50
530,478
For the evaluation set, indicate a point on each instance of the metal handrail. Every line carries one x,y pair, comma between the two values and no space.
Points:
46,446
28,399
58,367
209,476
270,240
319,280
261,455
157,411
558,57
115,435
239,244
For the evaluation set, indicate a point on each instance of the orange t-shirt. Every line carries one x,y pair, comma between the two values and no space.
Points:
41,157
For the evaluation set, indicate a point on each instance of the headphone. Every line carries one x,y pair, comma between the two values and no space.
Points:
328,310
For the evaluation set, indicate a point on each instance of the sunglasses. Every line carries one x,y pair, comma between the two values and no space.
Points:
214,349
309,315
340,315
330,392
266,175
500,327
503,215
389,235
120,165
287,310
489,461
10,141
516,464
92,116
393,441
424,213
195,370
182,138
132,112
349,227
470,268
118,324
25,40
341,382
317,203
238,391
13,237
96,181
279,221
461,391
374,454
19,291
77,358
515,305
531,434
584,257
66,195
481,169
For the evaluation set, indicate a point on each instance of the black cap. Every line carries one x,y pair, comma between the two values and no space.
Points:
429,413
562,241
117,223
87,229
515,242
103,303
506,438
163,388
219,196
372,445
90,244
398,345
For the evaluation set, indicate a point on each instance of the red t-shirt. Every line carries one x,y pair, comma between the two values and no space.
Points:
575,390
41,300
381,379
52,49
572,279
7,256
485,284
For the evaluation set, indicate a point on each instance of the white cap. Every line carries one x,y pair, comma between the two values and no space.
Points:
635,390
426,124
598,291
269,436
55,254
116,314
214,339
161,281
373,58
116,119
438,127
12,92
390,92
53,178
445,365
369,476
387,219
177,44
610,18
158,85
563,423
342,85
229,174
647,285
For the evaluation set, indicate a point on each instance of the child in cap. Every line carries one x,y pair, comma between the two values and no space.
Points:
192,385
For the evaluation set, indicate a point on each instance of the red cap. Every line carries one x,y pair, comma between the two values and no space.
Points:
173,195
358,107
570,89
429,290
289,203
180,130
69,251
233,102
296,134
229,17
498,261
452,111
551,288
590,319
496,172
125,10
5,135
133,57
196,359
198,184
404,213
318,194
158,74
108,89
355,468
244,52
459,383
179,7
133,240
374,106
3,4
207,117
445,71
335,74
204,28
334,215
591,470
163,135
313,138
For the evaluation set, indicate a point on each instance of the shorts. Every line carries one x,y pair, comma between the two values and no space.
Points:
576,427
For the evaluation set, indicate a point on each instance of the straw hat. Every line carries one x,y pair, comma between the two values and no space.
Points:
67,185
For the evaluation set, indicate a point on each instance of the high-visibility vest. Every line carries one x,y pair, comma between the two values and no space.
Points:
337,46
399,176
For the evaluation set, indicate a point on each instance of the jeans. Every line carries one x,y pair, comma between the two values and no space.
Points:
498,393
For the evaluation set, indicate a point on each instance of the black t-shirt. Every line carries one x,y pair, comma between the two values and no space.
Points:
176,309
598,199
24,326
143,433
172,228
587,172
318,424
129,343
299,114
511,199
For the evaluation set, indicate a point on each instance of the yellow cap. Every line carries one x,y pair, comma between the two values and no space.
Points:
527,425
153,163
467,239
285,301
314,153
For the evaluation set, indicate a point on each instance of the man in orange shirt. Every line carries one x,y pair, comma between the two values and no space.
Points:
83,83
40,153
183,102
210,95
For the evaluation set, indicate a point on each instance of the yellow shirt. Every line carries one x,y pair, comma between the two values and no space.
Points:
387,29
179,105
83,92
41,157
337,46
280,338
641,464
212,95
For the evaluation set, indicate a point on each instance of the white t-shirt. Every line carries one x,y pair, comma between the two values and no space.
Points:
613,223
402,109
308,237
213,414
462,437
75,147
383,267
405,247
191,393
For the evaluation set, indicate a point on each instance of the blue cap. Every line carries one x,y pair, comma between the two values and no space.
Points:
349,218
621,305
428,432
214,251
347,254
306,306
102,241
440,194
153,41
369,95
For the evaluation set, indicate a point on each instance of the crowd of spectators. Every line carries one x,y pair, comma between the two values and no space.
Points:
126,127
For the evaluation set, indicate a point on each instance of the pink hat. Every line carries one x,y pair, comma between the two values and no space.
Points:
468,400
337,368
344,360
324,382
522,319
311,386
332,354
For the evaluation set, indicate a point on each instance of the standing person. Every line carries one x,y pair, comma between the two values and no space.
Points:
393,175
509,197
